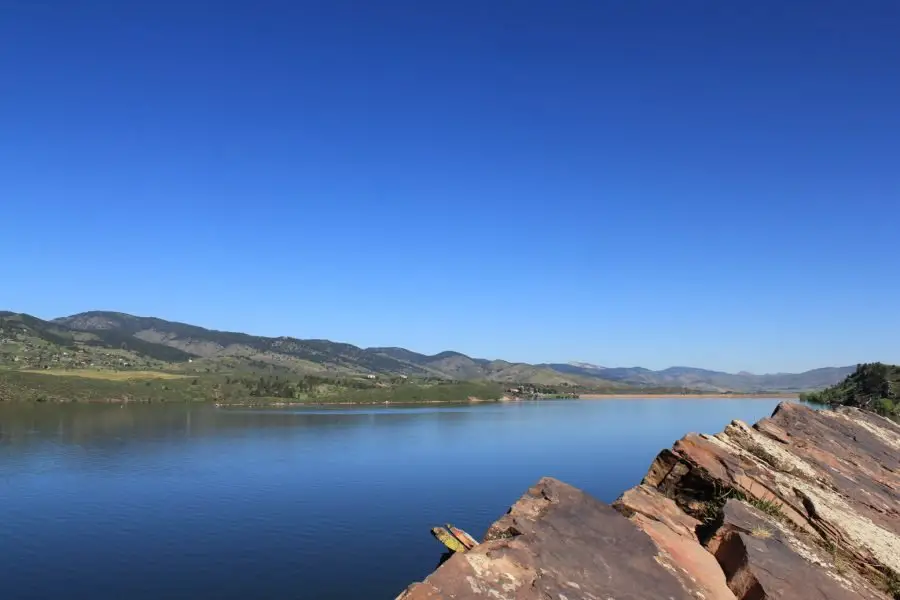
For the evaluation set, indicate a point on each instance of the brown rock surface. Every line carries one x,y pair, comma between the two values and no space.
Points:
805,504
762,559
673,533
555,542
831,474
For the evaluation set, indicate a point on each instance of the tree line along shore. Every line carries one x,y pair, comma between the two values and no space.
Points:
873,386
145,386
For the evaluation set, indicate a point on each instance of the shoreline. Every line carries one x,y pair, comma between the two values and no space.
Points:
760,396
470,401
507,400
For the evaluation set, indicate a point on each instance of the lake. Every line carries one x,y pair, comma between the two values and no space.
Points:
175,501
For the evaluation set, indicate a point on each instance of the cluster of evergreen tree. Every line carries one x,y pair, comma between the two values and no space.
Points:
873,386
535,390
279,387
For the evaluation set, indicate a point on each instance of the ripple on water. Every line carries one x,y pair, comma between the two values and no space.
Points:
187,502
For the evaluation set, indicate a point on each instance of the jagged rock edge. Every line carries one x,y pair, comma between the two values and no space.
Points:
693,490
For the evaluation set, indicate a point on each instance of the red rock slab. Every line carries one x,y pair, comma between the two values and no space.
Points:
858,453
760,561
673,533
556,542
700,470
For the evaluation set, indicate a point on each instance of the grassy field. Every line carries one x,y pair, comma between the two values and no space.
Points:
105,374
91,385
62,386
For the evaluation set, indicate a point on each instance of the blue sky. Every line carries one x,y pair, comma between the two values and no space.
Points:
626,183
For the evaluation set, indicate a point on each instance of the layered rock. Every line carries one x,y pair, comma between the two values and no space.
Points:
555,542
804,504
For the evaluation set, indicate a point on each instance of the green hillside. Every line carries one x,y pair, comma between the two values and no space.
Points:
117,357
100,354
872,386
313,356
153,387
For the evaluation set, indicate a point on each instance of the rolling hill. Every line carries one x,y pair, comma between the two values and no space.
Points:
104,338
211,347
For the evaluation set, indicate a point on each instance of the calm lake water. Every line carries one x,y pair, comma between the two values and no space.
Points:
198,502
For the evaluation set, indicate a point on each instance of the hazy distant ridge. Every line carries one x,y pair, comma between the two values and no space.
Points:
705,379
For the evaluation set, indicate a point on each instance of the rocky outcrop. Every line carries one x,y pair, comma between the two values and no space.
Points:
555,542
804,504
828,482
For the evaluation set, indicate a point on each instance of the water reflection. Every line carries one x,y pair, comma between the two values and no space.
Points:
87,424
187,501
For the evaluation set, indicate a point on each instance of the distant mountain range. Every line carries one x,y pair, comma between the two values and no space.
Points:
149,342
704,379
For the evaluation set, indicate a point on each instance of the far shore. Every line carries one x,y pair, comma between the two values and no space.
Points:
507,399
687,396
281,403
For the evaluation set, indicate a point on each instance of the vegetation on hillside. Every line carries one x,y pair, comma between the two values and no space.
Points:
144,387
873,386
43,361
118,340
27,342
97,344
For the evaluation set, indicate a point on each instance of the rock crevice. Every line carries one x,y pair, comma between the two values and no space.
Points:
804,504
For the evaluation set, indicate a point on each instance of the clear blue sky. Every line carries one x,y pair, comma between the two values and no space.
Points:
646,183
